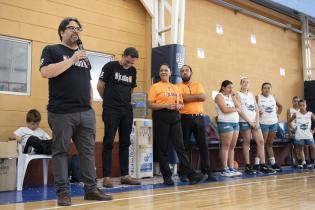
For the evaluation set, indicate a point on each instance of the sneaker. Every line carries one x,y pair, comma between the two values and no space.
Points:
129,181
299,166
266,170
227,173
184,178
211,177
304,166
276,167
107,183
197,178
257,167
235,172
168,181
64,199
249,170
97,195
310,166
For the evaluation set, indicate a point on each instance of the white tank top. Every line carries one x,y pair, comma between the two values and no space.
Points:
303,126
227,117
291,112
248,106
267,108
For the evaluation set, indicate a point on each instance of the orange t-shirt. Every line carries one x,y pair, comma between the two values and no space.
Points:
164,93
194,107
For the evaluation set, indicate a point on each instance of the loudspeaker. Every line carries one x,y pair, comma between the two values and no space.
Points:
173,55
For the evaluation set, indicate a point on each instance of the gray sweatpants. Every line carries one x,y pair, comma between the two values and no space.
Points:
80,127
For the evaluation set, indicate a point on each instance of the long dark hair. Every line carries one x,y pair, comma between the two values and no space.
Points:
224,84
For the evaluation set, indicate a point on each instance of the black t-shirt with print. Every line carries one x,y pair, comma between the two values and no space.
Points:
69,92
119,83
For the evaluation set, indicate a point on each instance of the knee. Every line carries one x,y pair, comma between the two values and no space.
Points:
260,142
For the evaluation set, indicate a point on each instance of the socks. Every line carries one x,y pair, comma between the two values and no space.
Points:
272,160
257,160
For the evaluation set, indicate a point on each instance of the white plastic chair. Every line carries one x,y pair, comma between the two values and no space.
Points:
23,161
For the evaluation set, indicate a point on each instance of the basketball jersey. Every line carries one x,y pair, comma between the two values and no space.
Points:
227,117
303,126
267,107
248,106
291,112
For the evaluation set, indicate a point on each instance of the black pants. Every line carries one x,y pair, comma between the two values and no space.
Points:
167,130
40,146
195,125
113,120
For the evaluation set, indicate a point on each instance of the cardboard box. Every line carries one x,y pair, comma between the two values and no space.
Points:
8,149
7,174
8,155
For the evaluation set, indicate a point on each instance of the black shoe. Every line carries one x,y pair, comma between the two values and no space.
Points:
266,170
304,166
276,167
64,199
257,168
168,181
197,178
184,178
249,170
97,195
211,177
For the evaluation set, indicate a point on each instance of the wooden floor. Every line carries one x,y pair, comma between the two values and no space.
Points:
291,191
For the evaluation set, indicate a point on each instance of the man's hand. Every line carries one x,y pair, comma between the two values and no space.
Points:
78,55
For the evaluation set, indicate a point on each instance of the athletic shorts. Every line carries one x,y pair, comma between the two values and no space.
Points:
245,126
269,128
304,141
224,127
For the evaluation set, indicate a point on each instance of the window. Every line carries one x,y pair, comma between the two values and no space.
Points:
15,66
97,60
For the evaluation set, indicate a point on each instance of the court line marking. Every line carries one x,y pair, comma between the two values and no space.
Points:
177,192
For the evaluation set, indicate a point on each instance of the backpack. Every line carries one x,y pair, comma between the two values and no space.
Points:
74,169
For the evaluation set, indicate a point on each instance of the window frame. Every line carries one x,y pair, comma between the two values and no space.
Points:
29,65
99,54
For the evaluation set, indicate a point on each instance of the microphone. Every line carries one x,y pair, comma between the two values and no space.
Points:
80,45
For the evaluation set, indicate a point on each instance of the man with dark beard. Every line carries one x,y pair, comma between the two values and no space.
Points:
192,118
70,113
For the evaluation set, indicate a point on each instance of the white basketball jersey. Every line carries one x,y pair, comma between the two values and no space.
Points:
227,117
291,112
248,106
267,107
303,126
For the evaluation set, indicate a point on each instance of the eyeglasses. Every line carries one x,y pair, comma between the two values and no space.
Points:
73,28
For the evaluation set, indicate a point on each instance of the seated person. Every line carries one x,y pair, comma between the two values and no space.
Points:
32,136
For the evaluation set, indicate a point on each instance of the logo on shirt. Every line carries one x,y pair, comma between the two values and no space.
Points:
80,63
41,61
304,126
124,78
170,94
250,107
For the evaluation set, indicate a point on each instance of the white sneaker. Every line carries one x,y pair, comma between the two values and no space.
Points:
226,173
235,172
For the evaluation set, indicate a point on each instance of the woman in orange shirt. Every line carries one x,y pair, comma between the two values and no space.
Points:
165,101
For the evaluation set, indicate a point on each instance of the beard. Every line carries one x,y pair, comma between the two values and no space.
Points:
186,79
